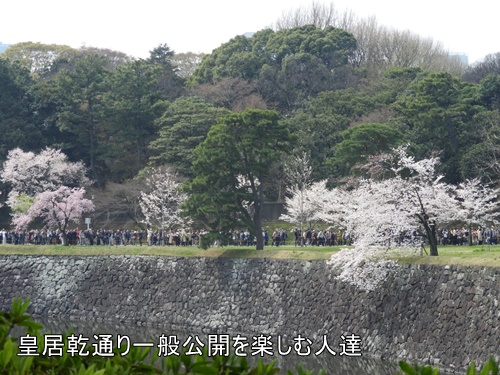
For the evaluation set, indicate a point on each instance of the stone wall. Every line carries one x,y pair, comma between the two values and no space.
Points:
441,315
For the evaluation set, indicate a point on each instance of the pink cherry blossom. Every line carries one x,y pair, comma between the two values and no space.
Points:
57,209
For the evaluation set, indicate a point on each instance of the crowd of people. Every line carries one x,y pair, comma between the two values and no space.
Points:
326,237
92,237
278,237
462,236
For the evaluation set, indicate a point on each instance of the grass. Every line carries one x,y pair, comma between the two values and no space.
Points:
282,252
482,256
485,256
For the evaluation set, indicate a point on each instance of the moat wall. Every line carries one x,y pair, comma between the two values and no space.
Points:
440,315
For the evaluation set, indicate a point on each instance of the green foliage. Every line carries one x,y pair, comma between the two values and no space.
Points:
230,168
161,55
489,91
119,115
16,317
489,368
438,111
183,126
403,73
418,369
364,140
137,361
290,65
317,129
109,114
19,124
131,112
81,108
22,204
320,125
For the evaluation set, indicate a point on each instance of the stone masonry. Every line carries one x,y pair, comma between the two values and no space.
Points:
441,315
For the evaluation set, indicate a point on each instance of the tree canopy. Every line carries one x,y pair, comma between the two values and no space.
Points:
183,125
289,65
365,140
231,168
338,91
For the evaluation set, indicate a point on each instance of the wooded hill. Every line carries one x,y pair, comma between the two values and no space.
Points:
341,101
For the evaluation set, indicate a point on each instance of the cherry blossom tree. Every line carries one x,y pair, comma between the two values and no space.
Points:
305,203
414,198
374,224
377,227
57,209
31,174
371,213
423,195
391,212
379,223
298,170
478,204
385,214
365,269
161,202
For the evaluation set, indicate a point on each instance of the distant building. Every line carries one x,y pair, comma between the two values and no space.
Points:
461,56
3,47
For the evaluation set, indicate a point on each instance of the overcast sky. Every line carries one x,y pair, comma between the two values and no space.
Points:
136,27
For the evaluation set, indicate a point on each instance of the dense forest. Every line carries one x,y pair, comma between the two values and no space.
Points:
344,93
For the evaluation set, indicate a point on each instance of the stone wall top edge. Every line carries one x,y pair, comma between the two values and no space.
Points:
450,267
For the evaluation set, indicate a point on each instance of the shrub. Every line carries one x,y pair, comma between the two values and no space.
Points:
137,361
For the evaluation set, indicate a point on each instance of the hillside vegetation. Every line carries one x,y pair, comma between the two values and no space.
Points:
343,89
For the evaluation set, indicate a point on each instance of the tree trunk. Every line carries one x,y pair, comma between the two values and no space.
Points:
90,124
258,220
432,237
139,155
433,246
64,239
430,232
470,235
260,239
